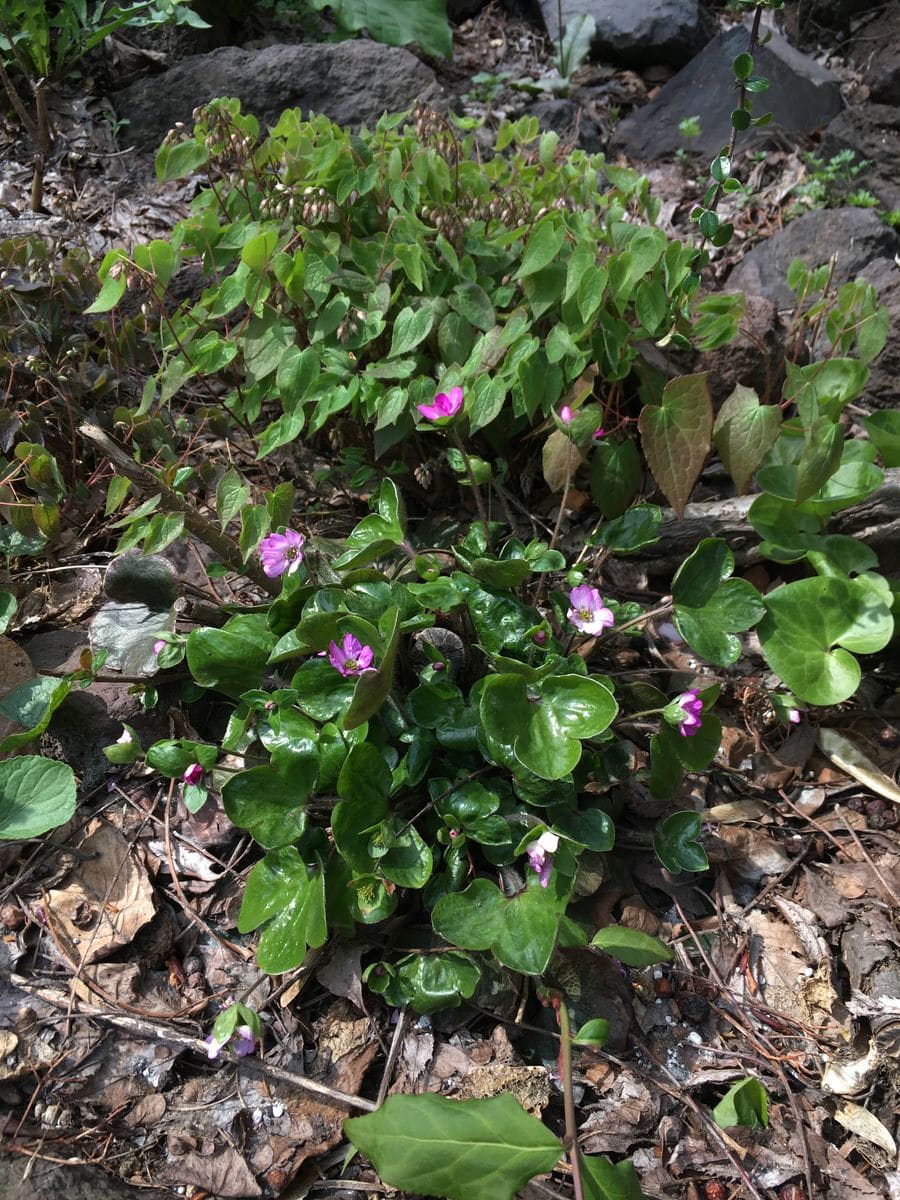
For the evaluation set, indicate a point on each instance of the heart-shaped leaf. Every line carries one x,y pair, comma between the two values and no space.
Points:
676,843
710,607
675,435
544,721
744,433
284,891
268,804
812,628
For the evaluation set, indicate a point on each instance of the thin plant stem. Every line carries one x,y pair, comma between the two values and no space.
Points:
559,34
565,495
476,490
565,1074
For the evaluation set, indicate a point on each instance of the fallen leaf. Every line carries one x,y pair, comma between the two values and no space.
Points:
106,899
846,755
223,1173
866,1125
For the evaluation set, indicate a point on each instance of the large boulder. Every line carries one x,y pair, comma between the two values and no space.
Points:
810,22
641,32
872,132
875,53
352,82
802,95
883,387
854,235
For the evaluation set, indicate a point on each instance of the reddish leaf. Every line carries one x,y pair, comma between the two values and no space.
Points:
675,436
744,433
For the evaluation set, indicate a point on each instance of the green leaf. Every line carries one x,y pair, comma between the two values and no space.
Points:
544,721
746,1103
461,1149
283,891
709,607
603,1180
637,527
676,843
8,606
742,66
323,691
519,930
543,246
592,1033
231,495
412,326
675,436
813,627
36,794
472,303
373,686
615,475
631,946
270,805
426,982
884,429
226,660
396,22
744,433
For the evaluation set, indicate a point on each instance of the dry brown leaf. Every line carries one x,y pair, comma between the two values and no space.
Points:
866,1125
787,983
222,1173
754,853
15,669
106,899
850,759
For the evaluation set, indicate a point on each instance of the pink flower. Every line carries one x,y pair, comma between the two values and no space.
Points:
691,706
351,657
540,855
587,612
281,552
794,716
565,415
598,433
193,774
446,404
159,646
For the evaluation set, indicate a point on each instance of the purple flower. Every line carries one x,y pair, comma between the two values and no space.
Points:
587,612
243,1040
351,657
159,646
540,855
691,706
193,774
565,415
281,553
598,433
214,1047
446,404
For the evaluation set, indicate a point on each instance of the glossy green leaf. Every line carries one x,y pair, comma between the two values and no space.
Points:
710,607
227,661
813,627
615,476
460,1149
520,930
36,795
270,805
637,527
631,946
544,722
677,844
290,895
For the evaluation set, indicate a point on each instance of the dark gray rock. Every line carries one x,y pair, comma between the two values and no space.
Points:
875,53
564,117
872,131
855,235
461,10
640,32
352,82
802,95
54,1181
754,359
809,22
